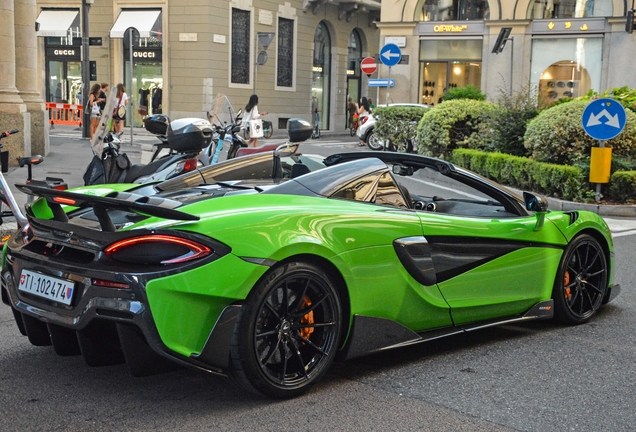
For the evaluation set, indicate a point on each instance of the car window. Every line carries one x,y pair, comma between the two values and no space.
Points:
432,191
374,188
254,167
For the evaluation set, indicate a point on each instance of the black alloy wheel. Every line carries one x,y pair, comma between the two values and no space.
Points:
581,281
288,332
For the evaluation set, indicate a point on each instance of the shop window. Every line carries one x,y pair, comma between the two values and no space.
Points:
563,67
448,63
285,59
321,76
455,10
555,9
240,73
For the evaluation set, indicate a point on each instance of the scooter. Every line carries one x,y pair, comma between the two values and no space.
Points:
183,138
226,134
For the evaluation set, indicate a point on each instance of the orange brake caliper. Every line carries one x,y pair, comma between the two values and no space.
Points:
566,282
305,332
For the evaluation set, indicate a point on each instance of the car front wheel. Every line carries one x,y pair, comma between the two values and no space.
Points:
581,281
374,142
287,333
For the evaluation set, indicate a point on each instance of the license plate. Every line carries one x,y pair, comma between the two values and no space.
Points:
41,285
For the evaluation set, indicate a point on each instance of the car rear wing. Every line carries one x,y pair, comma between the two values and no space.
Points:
147,206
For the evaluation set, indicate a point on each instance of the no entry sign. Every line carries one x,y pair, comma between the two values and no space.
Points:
368,65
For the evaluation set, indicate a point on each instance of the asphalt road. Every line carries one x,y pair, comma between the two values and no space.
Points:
538,376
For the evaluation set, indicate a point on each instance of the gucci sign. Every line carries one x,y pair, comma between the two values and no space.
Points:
143,54
64,52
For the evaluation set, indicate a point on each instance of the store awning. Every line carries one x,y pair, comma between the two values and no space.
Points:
143,21
55,23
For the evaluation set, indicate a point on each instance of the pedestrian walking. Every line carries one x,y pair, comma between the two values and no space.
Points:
252,113
102,95
351,110
122,101
93,108
362,111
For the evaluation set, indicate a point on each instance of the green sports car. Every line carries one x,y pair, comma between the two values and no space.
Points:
267,272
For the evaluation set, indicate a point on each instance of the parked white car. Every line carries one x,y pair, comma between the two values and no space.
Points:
365,130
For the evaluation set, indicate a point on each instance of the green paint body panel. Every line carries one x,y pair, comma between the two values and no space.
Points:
185,306
356,238
41,209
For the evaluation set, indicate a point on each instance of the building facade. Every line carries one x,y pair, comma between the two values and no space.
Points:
292,54
21,105
563,47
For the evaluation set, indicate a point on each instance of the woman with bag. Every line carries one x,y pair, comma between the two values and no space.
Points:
252,121
92,107
119,115
363,111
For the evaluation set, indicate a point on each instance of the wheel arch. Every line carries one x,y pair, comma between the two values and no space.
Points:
338,279
600,238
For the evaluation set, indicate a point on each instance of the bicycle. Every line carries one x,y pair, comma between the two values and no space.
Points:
355,123
10,215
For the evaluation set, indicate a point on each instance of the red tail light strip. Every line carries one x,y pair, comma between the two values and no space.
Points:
197,250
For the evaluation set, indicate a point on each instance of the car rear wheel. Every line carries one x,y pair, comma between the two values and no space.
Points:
581,281
402,147
287,333
374,142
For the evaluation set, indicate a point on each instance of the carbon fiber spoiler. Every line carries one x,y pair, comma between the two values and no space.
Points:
55,199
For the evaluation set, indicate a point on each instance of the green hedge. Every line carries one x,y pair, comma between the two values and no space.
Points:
397,123
451,125
556,135
563,181
622,187
467,92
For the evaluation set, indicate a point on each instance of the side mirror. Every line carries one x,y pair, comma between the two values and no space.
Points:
402,170
535,203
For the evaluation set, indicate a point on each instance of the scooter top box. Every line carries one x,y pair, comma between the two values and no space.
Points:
157,124
189,134
299,130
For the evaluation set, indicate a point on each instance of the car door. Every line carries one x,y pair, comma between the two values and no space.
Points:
488,262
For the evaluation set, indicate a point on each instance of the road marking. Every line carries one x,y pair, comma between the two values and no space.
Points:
623,233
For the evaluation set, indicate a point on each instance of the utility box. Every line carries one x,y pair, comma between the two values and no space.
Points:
600,164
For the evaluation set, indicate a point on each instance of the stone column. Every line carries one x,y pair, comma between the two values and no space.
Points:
8,91
28,76
13,113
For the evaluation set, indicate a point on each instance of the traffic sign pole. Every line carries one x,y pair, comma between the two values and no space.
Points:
603,119
390,55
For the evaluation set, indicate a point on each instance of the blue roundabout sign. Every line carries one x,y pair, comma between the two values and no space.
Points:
603,119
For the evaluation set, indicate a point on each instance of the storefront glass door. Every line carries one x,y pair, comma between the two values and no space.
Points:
64,79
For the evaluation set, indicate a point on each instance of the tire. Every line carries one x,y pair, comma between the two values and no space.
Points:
373,142
581,281
403,147
352,131
8,224
268,129
282,351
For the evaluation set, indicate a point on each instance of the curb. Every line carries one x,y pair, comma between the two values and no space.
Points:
601,210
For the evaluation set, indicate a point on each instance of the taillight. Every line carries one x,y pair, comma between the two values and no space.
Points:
109,284
27,234
364,119
157,249
190,165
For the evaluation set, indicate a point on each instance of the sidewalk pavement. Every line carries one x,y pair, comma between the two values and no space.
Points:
70,154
